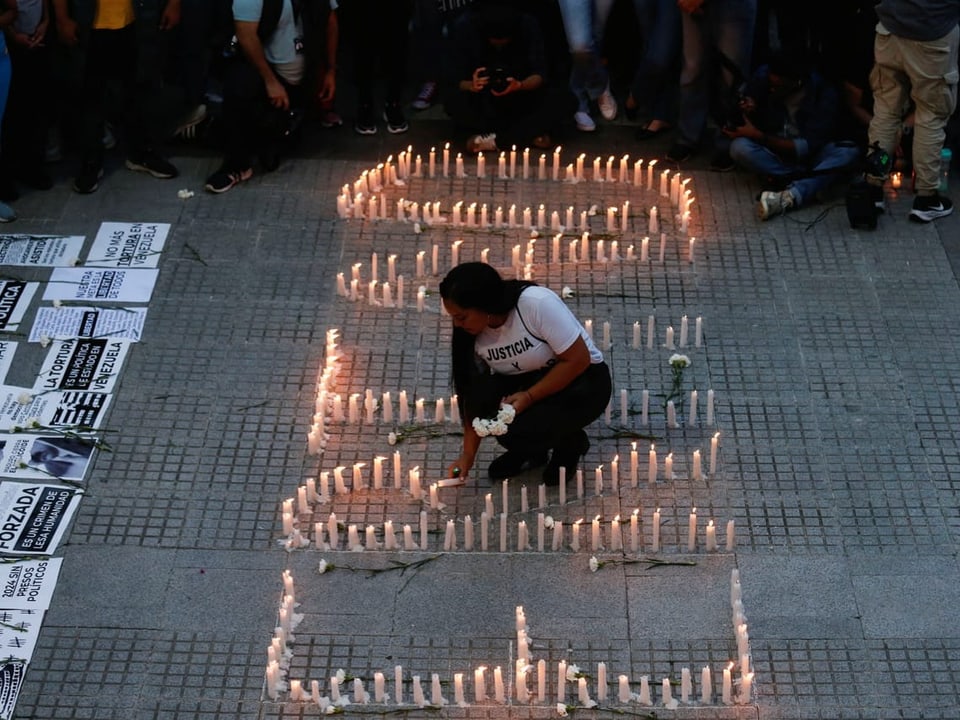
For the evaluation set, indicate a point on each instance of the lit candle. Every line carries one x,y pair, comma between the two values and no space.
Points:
634,464
556,164
481,165
711,537
527,218
637,170
597,177
526,163
653,226
541,216
615,474
580,158
896,179
622,168
697,472
692,419
625,216
479,684
459,165
611,219
727,685
655,544
542,168
616,539
668,467
666,691
746,683
575,539
596,545
502,164
664,191
458,689
650,174
598,480
467,533
609,176
692,531
652,465
714,444
691,243
623,685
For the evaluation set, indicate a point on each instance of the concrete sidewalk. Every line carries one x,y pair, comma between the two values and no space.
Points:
834,366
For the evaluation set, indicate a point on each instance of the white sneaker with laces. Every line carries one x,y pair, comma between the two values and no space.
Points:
584,122
426,97
608,104
775,203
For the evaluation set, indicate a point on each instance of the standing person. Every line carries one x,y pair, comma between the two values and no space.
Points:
584,22
516,341
379,31
655,81
915,55
7,16
717,41
120,41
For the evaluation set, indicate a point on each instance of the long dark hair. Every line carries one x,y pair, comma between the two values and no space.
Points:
475,286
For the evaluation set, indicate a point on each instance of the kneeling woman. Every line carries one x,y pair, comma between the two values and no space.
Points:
518,343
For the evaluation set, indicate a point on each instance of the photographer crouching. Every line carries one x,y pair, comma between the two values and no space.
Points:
497,91
788,135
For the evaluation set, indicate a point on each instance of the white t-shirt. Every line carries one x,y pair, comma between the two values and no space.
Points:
547,328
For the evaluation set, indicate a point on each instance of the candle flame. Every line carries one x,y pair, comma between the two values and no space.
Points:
694,511
730,665
616,458
636,512
616,519
597,519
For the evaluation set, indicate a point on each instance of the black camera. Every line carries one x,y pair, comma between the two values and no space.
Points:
498,80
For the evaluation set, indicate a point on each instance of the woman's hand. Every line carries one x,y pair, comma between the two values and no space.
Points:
520,400
460,467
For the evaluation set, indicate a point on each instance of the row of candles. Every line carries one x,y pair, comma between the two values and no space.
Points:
279,655
317,435
412,166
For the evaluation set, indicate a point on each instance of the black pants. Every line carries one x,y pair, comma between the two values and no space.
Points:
557,420
251,125
27,118
378,30
516,118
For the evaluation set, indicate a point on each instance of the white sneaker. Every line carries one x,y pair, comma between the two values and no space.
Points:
187,128
775,203
482,143
608,104
584,122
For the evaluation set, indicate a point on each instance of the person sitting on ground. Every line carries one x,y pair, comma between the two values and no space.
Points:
788,135
518,343
498,92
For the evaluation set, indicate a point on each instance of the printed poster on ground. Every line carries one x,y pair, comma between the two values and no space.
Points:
40,250
8,349
19,630
84,322
64,409
28,584
15,296
128,245
82,364
35,517
45,456
101,284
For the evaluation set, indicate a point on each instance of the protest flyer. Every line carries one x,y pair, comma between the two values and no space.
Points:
28,584
73,409
128,245
35,517
12,671
15,296
101,284
86,322
46,456
40,250
8,349
82,364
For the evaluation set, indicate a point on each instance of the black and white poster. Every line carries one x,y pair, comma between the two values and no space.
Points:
82,364
101,284
12,671
28,584
45,456
86,322
35,517
15,296
62,409
128,245
7,350
40,250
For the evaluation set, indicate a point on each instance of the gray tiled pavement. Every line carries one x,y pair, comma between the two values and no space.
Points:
833,357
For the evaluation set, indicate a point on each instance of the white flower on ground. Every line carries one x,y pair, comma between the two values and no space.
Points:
392,438
340,676
573,672
323,566
534,234
57,303
33,422
24,398
548,522
44,340
417,229
74,262
561,710
593,210
184,194
679,361
567,292
594,564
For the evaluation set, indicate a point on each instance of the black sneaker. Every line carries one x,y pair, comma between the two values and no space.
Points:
393,115
88,179
222,180
566,456
513,463
679,153
149,162
930,207
366,123
722,162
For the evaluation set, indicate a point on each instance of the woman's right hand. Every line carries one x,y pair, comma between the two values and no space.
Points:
460,467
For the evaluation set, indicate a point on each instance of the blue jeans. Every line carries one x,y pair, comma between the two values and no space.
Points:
655,80
584,22
758,159
721,25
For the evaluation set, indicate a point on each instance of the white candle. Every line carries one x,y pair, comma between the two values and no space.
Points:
423,530
481,165
644,697
598,480
556,164
727,685
557,535
666,691
450,536
521,680
503,532
502,164
686,685
595,545
583,695
561,682
616,539
575,539
692,531
697,472
691,244
668,467
692,420
526,163
663,245
714,444
436,695
698,332
709,419
655,544
479,684
706,689
609,176
467,533
527,218
459,165
458,689
418,699
711,537
746,683
398,683
668,343
611,219
541,681
498,684
484,531
542,168
601,681
435,259
652,465
731,535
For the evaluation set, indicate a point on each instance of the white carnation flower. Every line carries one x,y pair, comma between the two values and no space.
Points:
548,522
594,564
534,234
323,566
561,710
57,303
417,229
392,438
44,340
24,398
573,671
567,292
680,361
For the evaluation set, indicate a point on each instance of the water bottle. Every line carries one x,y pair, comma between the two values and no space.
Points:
946,157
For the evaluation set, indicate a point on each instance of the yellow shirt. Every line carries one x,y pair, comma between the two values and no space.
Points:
113,14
